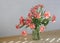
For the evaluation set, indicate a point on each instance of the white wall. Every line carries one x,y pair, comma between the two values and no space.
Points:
11,10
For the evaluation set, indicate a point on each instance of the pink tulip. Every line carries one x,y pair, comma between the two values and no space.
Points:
24,33
42,28
28,21
33,10
38,15
53,18
47,15
32,26
21,20
36,7
17,26
30,15
41,5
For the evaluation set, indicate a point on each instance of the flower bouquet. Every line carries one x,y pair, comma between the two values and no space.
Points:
37,19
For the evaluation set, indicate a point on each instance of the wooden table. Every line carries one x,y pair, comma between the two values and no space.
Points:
46,37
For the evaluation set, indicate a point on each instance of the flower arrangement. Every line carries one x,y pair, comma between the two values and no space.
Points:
37,20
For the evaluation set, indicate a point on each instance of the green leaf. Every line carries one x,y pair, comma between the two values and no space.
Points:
45,22
40,20
50,18
38,10
42,13
36,21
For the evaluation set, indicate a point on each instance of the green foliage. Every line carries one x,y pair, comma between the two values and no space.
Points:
40,10
45,22
40,20
36,21
50,18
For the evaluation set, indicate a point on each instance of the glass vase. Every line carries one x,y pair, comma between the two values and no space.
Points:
36,34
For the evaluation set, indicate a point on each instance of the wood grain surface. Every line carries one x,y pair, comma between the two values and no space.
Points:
46,37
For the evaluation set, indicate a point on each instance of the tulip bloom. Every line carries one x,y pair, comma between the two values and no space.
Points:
42,29
53,18
32,26
21,20
36,7
30,15
28,21
17,27
41,5
33,10
24,33
47,15
38,15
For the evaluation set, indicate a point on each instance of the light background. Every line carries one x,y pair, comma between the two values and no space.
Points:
11,10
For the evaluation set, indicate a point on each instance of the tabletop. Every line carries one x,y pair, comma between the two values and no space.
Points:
46,37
